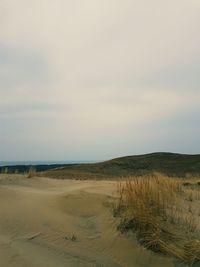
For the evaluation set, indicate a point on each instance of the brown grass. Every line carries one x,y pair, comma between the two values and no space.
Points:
159,210
31,173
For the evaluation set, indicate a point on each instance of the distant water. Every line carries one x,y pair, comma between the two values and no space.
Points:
14,163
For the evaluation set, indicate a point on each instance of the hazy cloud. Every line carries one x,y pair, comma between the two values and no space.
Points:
95,79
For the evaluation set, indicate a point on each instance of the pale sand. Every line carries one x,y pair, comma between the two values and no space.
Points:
38,217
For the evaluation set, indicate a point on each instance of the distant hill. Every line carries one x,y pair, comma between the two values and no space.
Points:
170,164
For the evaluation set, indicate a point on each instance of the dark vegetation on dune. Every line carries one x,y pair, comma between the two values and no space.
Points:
169,164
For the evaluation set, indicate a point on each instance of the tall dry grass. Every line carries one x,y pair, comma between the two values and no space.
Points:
31,173
154,208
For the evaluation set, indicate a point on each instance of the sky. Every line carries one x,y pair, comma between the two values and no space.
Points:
97,79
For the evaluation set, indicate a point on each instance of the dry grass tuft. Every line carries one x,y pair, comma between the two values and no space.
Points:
192,194
154,207
192,251
31,173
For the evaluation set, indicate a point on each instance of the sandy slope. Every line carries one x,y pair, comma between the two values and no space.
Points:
39,216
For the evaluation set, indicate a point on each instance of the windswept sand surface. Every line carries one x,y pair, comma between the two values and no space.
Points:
39,216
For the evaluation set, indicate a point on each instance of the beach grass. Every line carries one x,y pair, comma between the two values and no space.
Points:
163,213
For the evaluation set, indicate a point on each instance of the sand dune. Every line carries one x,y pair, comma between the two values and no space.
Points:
46,222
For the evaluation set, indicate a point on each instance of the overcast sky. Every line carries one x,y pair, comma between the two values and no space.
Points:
97,79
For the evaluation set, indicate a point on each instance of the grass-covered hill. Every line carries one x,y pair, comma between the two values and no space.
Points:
167,163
